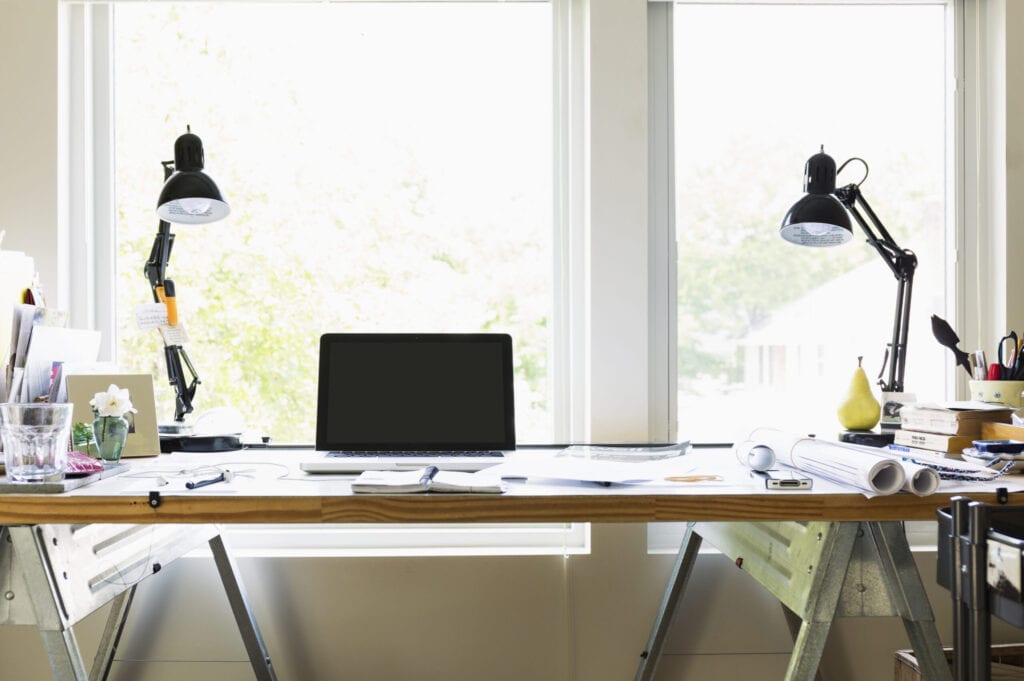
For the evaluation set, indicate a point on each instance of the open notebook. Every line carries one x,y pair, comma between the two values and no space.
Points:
403,401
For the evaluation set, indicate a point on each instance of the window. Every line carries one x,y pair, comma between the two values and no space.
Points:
389,167
768,332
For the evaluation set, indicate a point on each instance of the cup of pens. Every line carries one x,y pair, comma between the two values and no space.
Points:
1001,392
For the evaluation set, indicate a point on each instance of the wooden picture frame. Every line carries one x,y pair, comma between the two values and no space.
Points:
143,436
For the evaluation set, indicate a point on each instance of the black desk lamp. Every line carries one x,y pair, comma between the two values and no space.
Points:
820,219
189,196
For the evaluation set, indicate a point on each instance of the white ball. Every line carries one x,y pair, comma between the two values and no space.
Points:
757,457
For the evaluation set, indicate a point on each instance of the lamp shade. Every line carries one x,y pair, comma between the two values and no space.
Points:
818,219
189,196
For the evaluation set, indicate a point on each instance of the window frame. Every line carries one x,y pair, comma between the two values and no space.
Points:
598,74
962,52
86,170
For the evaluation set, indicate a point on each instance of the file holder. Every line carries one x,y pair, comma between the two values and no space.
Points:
817,570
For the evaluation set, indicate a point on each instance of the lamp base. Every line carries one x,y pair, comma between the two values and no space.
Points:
199,443
867,437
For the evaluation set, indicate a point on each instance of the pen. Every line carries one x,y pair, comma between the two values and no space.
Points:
203,483
428,474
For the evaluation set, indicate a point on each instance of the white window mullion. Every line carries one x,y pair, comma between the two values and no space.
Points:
86,177
570,173
662,250
617,205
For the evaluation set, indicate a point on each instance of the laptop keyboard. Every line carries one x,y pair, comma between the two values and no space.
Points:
410,453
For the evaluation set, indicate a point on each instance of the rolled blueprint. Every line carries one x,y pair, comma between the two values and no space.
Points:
834,461
920,480
757,457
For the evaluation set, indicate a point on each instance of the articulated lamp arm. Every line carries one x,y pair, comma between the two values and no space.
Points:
174,355
903,263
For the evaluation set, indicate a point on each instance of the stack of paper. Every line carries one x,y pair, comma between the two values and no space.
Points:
40,345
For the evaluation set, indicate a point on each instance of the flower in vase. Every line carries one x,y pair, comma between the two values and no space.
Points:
114,402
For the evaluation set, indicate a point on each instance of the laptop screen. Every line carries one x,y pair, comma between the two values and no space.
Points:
382,392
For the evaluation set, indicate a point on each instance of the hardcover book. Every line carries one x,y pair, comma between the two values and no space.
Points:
953,420
937,442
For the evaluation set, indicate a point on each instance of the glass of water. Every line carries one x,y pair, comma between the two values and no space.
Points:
35,440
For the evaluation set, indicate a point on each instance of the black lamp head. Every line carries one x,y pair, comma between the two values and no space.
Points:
189,196
818,219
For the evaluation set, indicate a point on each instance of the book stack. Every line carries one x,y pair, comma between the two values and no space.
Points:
947,429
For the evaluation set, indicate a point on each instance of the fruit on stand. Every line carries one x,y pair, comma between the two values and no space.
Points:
860,410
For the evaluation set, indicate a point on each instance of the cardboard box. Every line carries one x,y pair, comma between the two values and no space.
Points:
1007,663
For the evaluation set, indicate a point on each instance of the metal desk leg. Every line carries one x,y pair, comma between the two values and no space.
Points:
907,594
58,639
818,570
119,608
243,613
795,624
677,581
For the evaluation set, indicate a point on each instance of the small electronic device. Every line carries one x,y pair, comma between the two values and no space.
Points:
785,479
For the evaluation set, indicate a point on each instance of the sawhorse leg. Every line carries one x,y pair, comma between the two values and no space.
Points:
677,582
247,626
55,624
811,595
119,608
907,594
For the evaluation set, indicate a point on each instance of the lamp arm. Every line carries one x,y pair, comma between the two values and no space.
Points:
183,393
160,254
155,270
903,264
156,266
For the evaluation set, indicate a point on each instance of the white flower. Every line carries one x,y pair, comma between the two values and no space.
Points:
114,402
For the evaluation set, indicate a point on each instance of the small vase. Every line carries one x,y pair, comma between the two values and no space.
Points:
111,433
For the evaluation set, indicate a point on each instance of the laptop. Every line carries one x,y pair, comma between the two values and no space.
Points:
399,401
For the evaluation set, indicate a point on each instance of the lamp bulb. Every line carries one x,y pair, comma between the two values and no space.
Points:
818,228
195,206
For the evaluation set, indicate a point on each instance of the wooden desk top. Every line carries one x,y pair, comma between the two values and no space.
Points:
269,488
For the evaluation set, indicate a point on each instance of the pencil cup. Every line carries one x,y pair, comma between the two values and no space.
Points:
1002,392
35,441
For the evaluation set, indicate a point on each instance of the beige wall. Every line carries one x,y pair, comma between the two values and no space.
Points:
28,134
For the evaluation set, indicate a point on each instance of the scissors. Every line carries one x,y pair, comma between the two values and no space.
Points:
1008,356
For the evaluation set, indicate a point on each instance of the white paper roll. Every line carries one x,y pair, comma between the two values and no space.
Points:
834,461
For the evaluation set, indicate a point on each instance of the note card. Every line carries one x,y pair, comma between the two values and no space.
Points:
150,316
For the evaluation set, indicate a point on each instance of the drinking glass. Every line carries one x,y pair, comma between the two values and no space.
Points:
35,440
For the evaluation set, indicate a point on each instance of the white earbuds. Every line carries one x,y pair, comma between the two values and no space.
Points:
161,481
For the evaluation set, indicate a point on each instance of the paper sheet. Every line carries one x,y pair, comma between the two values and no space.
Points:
584,470
49,345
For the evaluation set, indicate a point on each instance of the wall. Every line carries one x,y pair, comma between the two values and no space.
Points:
583,618
28,134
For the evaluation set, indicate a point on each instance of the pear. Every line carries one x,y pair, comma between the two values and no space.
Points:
860,410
